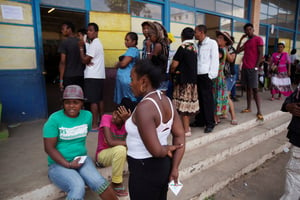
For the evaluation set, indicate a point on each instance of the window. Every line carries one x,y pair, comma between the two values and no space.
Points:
183,16
278,12
185,2
224,8
200,18
206,4
225,25
66,3
146,10
118,6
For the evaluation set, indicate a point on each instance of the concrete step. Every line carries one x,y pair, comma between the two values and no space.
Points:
195,141
203,157
189,167
208,181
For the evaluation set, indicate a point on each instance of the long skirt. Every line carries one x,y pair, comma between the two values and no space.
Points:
281,83
185,97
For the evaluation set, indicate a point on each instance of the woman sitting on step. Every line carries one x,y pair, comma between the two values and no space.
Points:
70,168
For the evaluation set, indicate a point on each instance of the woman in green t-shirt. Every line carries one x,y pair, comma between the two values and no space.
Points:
64,141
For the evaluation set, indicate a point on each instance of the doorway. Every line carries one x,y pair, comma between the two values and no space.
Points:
51,20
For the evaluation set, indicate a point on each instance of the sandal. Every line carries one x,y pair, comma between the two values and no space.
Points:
120,191
260,117
234,122
246,110
272,99
188,134
279,98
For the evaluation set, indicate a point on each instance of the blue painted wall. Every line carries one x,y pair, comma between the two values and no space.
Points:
23,96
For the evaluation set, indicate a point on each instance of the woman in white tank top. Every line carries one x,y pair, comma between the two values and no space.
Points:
152,162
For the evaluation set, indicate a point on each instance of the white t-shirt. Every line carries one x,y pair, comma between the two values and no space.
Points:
97,69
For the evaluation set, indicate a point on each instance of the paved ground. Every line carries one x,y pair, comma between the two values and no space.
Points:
263,183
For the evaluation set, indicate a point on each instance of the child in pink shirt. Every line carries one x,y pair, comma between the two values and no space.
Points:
111,149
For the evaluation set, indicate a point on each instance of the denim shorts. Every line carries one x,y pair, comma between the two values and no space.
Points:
73,181
230,81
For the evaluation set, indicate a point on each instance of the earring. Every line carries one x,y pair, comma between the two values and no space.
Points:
142,89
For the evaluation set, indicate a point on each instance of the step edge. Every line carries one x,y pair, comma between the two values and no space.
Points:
191,170
200,141
221,184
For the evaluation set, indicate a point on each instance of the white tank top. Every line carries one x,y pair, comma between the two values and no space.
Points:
135,144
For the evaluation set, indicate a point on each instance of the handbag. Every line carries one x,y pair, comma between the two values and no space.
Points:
274,67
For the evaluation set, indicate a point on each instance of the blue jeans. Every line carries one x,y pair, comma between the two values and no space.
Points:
73,181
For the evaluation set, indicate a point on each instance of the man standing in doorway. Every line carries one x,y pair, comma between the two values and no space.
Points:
253,53
70,65
207,69
94,73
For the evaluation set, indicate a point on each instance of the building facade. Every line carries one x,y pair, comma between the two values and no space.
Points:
30,34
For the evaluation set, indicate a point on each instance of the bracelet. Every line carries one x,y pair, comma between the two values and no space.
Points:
61,81
81,49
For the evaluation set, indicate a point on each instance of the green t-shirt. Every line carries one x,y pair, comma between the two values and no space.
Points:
70,132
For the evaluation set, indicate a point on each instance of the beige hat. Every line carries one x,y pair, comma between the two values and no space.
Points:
226,37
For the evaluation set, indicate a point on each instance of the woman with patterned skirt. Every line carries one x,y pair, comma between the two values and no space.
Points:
184,73
280,81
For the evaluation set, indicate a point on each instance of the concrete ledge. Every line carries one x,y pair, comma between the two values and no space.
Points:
50,192
207,138
229,147
245,170
210,180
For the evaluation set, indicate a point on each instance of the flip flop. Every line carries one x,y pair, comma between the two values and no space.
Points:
260,117
234,122
120,191
188,134
246,111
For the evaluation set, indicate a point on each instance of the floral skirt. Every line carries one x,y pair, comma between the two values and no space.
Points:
185,98
281,83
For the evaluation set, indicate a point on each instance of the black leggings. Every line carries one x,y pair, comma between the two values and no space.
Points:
148,178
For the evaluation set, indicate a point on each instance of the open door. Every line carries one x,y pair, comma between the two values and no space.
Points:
51,20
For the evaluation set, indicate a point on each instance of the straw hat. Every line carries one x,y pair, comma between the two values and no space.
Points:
226,36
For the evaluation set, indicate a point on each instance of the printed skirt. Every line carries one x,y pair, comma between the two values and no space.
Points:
185,98
281,83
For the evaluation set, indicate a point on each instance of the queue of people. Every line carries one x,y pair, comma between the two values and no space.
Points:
201,73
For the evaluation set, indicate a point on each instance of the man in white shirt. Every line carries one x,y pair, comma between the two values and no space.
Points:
94,73
208,66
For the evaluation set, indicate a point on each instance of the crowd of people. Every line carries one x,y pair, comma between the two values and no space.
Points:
156,94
